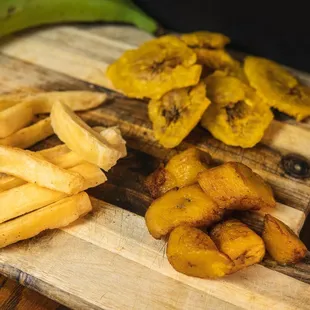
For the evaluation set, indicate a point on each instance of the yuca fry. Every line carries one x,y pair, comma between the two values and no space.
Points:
42,102
56,215
29,197
65,161
82,139
28,166
76,100
7,100
114,137
63,157
15,118
29,136
8,181
54,151
59,155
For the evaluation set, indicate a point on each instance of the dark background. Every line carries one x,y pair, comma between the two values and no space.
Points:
274,29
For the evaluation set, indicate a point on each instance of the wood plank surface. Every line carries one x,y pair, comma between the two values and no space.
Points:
133,261
15,296
108,260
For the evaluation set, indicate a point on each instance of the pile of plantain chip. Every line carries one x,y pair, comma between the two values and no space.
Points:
192,78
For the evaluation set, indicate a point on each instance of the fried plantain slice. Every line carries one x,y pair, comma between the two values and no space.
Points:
240,243
155,68
281,242
216,59
224,90
192,252
177,113
237,115
186,206
278,87
205,39
235,186
181,170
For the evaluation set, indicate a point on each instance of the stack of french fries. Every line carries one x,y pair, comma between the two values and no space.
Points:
46,189
18,113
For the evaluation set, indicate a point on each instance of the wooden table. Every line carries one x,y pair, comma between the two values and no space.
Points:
108,260
14,296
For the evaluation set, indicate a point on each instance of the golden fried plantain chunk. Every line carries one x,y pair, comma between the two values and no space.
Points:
281,242
241,244
237,116
186,166
205,39
278,87
160,182
216,59
192,252
186,206
181,170
155,68
235,186
177,113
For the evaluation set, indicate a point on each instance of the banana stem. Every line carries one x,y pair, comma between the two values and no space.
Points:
16,15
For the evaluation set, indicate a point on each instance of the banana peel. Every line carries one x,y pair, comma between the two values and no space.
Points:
16,15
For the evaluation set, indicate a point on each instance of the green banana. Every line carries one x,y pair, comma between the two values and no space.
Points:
17,15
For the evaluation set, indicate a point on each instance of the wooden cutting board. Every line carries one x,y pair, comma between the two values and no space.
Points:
107,260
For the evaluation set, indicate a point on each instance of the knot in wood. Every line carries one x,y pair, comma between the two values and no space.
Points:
296,166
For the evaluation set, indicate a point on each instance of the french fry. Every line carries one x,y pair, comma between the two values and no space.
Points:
63,157
54,151
66,160
29,197
15,118
113,137
8,181
56,215
7,100
59,155
81,138
76,100
42,102
28,166
29,136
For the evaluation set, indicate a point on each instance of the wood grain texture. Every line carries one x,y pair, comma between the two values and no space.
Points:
112,247
14,296
108,260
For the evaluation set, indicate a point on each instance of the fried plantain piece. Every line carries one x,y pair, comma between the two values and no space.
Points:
177,113
160,182
192,252
235,186
216,59
186,206
208,47
181,170
281,242
278,87
237,115
241,244
224,90
186,166
155,68
205,39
